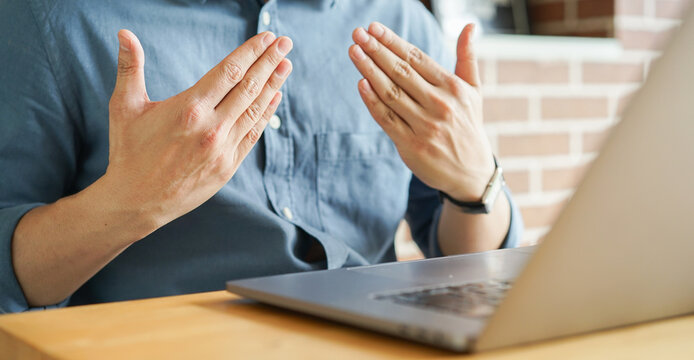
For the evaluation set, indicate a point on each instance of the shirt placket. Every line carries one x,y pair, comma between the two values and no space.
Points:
278,143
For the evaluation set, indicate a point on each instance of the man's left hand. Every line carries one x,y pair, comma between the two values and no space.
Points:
434,117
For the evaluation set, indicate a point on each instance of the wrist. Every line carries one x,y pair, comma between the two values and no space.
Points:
487,200
118,210
471,187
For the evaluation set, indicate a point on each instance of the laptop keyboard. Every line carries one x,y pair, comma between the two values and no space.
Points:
478,299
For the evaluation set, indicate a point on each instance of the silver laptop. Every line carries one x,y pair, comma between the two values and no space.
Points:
620,253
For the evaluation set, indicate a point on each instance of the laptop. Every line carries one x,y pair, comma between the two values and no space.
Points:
620,252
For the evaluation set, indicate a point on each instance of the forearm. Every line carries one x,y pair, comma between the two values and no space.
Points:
56,248
460,233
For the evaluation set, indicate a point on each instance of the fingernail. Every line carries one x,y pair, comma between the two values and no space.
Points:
358,53
362,36
276,99
285,45
283,68
268,39
365,86
473,28
377,29
121,43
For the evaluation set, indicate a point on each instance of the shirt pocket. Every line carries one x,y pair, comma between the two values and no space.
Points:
362,188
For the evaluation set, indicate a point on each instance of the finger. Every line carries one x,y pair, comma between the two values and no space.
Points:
399,70
130,91
215,85
390,93
243,95
466,66
391,123
427,67
254,133
254,113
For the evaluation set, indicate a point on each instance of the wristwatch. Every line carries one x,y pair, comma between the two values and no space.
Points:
491,192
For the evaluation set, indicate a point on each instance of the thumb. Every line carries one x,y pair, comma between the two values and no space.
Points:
130,88
466,66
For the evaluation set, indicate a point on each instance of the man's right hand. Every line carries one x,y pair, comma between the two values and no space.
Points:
165,159
168,157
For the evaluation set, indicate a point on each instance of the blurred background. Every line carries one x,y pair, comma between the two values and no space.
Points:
554,85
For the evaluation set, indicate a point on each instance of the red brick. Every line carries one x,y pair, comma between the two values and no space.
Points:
595,8
612,73
574,108
592,33
518,181
562,179
541,216
642,39
532,72
533,145
546,12
505,109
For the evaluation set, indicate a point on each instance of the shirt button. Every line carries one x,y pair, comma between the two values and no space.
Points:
287,213
275,122
266,18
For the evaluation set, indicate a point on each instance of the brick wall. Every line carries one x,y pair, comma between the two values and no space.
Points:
547,116
593,18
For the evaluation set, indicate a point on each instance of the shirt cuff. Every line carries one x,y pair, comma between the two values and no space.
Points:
512,239
11,295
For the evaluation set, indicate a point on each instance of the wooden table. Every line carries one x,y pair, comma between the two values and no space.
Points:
219,325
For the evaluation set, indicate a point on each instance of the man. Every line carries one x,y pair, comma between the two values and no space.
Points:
160,190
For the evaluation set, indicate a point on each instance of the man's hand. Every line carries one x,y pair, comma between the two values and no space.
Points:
166,158
433,117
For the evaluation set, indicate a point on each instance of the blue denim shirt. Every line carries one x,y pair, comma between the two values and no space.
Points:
328,163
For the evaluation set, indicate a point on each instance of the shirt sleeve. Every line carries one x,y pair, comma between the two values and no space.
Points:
424,207
38,141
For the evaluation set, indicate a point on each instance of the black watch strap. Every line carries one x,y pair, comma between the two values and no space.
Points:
491,192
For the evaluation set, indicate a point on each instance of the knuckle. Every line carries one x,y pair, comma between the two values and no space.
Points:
258,49
251,87
209,137
403,69
454,84
388,38
443,107
372,45
193,113
231,72
414,55
389,116
432,130
437,100
126,68
276,82
254,111
253,135
274,57
393,93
